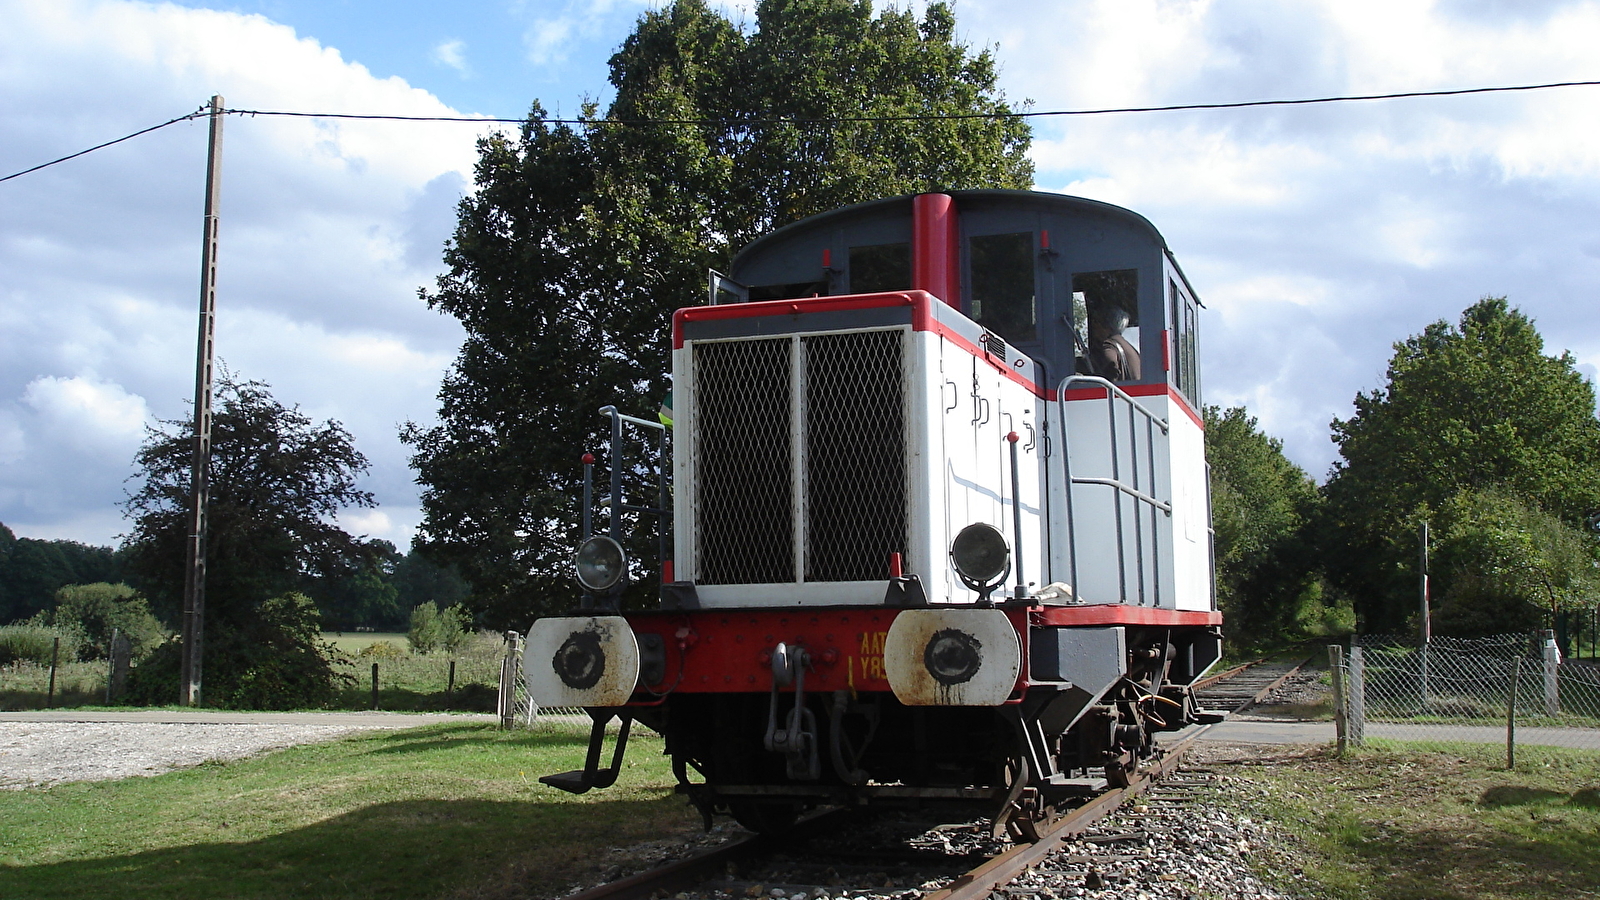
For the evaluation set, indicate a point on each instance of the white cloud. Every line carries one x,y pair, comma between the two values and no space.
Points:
451,53
327,229
97,411
1320,235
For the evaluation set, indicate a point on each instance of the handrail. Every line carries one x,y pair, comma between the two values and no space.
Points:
1137,490
617,505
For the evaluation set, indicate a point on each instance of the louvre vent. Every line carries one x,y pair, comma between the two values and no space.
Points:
848,391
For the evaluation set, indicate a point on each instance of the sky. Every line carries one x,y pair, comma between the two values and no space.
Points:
1317,236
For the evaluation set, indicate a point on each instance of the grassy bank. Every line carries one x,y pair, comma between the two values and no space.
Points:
1401,824
445,811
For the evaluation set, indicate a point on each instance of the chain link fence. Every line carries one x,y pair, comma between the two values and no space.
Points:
516,706
1511,689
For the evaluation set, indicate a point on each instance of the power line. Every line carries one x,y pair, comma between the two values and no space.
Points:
126,137
929,117
917,117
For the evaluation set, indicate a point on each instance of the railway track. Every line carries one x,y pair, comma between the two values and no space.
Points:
896,855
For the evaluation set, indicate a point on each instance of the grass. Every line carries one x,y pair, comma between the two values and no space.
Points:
444,811
1404,824
353,642
407,682
26,685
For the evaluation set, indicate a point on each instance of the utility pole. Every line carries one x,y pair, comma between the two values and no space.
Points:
194,582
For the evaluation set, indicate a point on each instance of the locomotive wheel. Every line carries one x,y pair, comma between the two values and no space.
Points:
771,817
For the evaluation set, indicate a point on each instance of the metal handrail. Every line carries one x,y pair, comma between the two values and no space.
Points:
615,501
1136,489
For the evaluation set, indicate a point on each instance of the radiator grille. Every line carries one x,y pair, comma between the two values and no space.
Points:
847,391
743,505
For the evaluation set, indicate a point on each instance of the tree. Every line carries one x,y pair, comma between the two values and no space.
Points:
32,570
97,611
579,241
1474,407
1504,565
364,594
1267,579
277,483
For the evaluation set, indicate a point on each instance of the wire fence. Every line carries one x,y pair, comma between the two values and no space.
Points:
1515,689
516,706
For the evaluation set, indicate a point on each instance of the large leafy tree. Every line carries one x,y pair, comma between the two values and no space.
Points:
1504,564
579,241
1262,505
1477,406
278,481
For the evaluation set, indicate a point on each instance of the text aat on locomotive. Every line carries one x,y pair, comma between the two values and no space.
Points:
940,520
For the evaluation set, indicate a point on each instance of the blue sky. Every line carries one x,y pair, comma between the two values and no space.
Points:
1317,236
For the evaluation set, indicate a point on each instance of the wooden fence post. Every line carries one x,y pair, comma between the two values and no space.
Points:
55,657
1340,723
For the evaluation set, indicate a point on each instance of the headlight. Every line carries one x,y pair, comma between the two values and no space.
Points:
600,563
980,556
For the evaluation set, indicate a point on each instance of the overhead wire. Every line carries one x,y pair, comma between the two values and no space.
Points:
127,137
929,117
911,117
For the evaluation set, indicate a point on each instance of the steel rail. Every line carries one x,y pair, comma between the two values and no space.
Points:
699,867
1001,870
974,885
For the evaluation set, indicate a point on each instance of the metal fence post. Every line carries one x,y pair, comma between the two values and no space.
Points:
1552,673
1511,715
1356,718
1340,723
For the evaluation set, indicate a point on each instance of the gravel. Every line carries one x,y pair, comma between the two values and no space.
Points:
43,753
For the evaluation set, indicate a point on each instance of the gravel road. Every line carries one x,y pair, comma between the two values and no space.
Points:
56,746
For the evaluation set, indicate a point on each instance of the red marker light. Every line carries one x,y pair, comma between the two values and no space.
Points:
1044,239
588,459
666,571
1012,437
827,258
896,565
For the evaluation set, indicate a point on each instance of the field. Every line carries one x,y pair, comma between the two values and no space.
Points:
1403,824
406,682
443,811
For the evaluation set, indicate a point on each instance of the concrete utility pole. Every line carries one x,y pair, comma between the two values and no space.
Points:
194,582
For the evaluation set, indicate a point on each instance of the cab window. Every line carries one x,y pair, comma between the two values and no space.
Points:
1003,287
1105,317
880,267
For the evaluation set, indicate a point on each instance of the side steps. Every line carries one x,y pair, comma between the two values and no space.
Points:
579,781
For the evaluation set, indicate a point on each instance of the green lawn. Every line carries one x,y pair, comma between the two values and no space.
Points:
353,642
443,811
1407,824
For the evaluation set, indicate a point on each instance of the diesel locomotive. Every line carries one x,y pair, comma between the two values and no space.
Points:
939,524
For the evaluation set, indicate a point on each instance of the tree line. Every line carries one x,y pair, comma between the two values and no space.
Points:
1478,433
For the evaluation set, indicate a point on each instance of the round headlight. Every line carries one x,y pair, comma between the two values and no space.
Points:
600,563
980,554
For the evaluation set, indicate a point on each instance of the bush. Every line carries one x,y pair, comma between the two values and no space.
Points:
33,642
433,629
97,611
277,661
380,651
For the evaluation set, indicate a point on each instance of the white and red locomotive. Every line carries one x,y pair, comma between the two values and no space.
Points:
941,523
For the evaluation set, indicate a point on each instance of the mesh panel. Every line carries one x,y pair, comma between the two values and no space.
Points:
855,455
743,510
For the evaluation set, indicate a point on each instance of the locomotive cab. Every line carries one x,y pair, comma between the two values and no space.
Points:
941,525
